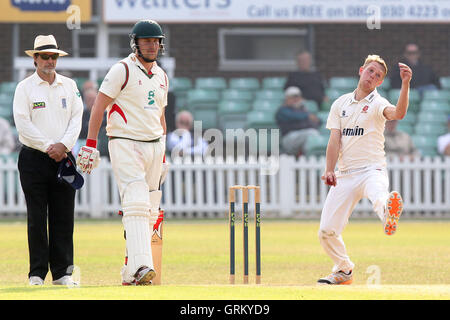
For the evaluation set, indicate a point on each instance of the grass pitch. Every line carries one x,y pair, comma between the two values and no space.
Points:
412,264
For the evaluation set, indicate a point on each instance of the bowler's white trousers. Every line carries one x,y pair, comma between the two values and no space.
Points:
372,183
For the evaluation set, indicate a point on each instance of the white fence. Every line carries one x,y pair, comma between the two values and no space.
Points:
289,188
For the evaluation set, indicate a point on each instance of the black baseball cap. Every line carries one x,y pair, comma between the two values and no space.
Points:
68,173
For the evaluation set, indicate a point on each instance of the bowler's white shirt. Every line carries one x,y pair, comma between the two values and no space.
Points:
136,110
361,124
46,114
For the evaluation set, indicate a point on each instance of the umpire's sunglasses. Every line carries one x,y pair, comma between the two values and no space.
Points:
45,56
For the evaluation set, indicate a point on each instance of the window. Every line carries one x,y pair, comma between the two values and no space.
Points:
260,49
84,41
119,42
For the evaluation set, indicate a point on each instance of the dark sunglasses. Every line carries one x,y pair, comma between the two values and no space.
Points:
45,56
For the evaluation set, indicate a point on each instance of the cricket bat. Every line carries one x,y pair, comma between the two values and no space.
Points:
157,243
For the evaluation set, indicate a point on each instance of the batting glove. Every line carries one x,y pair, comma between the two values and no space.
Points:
88,157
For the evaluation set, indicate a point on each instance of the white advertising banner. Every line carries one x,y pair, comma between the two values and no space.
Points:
277,11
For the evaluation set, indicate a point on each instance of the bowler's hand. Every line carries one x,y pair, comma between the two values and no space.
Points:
57,151
329,178
405,72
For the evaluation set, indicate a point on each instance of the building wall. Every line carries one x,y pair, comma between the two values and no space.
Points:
27,33
5,51
339,48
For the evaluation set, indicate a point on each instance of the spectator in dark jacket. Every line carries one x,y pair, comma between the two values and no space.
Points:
310,82
424,77
295,122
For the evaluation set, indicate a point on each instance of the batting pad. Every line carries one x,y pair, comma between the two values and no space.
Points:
135,206
138,243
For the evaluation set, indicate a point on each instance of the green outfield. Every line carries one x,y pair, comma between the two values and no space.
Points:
412,264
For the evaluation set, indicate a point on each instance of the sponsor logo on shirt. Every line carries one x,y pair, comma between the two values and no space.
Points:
38,105
151,97
343,114
356,131
151,107
64,103
364,110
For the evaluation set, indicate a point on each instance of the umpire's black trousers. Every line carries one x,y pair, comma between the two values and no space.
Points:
47,198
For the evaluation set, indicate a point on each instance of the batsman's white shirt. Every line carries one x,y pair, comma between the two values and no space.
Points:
46,114
361,124
136,110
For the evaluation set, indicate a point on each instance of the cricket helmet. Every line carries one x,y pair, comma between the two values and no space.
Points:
146,29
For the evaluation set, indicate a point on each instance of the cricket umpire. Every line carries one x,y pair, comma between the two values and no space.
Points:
47,112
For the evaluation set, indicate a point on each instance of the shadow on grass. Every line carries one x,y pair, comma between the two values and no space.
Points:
31,289
45,288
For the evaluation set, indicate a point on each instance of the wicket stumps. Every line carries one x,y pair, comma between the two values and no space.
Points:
245,220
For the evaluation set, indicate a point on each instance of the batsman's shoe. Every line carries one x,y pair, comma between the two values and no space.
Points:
36,281
144,276
128,283
339,277
394,208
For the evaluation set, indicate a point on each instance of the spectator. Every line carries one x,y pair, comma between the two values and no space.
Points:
295,122
7,142
170,111
89,99
310,82
444,141
424,76
397,143
181,141
89,85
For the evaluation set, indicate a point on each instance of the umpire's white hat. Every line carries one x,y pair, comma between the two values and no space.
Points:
45,44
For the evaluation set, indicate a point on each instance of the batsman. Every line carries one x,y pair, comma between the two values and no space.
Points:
134,94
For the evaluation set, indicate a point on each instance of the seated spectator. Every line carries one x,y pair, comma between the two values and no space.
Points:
295,122
397,143
443,142
424,77
7,142
181,141
310,82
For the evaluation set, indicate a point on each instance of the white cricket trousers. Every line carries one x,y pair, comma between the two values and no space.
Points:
136,161
137,170
371,183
